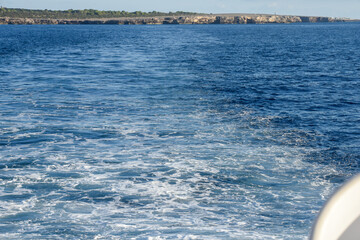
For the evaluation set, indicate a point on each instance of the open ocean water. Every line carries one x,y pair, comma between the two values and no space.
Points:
175,132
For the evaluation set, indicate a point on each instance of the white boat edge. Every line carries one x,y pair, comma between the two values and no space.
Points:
340,217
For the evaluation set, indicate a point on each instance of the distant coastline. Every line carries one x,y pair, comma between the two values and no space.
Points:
37,17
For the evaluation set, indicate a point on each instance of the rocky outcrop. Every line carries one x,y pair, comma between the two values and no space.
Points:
200,19
317,19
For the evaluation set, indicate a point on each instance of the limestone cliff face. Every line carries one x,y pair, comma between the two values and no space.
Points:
204,19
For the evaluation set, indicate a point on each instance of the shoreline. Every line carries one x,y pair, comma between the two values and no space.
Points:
193,19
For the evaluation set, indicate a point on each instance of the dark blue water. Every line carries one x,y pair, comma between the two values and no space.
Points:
175,132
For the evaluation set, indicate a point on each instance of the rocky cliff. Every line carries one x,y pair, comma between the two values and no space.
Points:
204,19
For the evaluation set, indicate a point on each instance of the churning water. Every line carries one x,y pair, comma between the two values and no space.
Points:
175,132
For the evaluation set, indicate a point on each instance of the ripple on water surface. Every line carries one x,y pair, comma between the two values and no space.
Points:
174,132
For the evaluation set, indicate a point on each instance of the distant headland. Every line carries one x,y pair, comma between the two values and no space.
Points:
90,16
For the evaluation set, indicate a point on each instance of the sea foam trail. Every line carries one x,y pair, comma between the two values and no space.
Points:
186,132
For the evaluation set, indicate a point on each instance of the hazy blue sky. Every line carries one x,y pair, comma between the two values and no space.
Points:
334,8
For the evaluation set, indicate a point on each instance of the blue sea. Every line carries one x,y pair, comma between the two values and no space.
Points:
175,131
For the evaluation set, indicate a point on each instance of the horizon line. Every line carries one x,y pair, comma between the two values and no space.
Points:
199,13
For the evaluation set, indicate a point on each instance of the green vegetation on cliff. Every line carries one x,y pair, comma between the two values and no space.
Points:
80,14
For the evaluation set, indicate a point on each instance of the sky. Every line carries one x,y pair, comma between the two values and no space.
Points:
329,8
